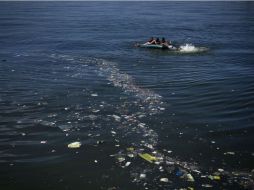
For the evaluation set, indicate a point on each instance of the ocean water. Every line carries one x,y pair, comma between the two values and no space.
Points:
69,71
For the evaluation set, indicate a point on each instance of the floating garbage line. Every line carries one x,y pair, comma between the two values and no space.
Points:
165,166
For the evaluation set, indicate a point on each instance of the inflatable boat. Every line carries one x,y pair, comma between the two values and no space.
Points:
155,46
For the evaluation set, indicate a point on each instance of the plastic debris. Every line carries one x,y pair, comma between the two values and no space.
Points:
74,145
130,155
116,117
229,153
95,161
141,125
130,149
142,176
43,142
148,157
94,95
220,170
164,180
190,188
207,185
127,164
179,173
121,159
216,177
189,177
149,146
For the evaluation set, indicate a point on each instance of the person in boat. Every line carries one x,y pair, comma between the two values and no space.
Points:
164,42
151,41
157,42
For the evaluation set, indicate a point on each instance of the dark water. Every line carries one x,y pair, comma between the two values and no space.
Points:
69,72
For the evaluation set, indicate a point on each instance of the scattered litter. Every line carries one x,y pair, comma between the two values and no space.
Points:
149,146
23,134
164,180
207,185
95,161
130,149
216,177
141,125
74,145
116,117
170,163
113,132
179,173
190,188
189,177
229,153
43,142
142,176
95,111
121,159
197,171
127,164
94,94
220,170
148,157
99,142
130,155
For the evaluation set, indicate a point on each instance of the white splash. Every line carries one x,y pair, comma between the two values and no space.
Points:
190,48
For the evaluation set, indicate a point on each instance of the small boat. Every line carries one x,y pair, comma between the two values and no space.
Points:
157,46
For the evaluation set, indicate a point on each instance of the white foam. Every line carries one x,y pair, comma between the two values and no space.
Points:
190,48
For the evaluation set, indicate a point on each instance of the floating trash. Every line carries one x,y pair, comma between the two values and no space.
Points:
179,173
116,117
165,180
220,170
148,157
142,176
229,153
121,159
207,185
216,177
130,149
130,155
189,177
127,164
74,145
94,94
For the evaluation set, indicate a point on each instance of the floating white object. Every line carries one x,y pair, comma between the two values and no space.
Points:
74,145
164,180
142,176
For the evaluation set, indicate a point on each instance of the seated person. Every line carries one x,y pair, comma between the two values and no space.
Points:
151,41
157,42
164,42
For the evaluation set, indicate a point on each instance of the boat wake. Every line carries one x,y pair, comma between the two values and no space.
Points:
190,48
